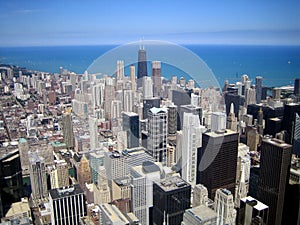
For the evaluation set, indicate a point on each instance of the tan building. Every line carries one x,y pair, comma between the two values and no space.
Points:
84,172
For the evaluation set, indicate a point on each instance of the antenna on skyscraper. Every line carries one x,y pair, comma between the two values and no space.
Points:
142,47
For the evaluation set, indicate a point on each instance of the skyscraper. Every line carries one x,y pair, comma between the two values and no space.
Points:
296,141
156,77
147,88
297,87
59,175
275,164
84,172
258,87
218,121
120,70
219,161
172,119
224,207
132,78
67,205
131,126
157,131
68,130
142,66
171,197
142,178
38,177
192,140
252,211
200,195
93,128
96,160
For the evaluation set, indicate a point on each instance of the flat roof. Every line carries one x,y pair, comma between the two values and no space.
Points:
172,183
203,213
259,205
18,208
220,133
65,191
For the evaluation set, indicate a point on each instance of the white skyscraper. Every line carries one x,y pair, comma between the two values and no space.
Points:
120,70
157,134
147,87
192,138
128,101
93,128
98,95
200,195
116,109
132,78
224,207
142,178
218,121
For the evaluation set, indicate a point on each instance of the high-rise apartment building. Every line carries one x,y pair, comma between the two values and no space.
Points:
218,121
157,134
120,70
147,87
171,197
93,128
68,130
275,161
59,175
132,78
200,195
224,207
156,77
218,161
258,89
172,119
67,205
38,178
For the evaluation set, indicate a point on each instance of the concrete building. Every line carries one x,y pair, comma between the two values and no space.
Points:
142,178
200,215
67,205
157,131
224,207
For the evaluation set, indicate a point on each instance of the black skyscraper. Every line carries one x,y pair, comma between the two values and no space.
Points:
221,169
132,127
142,66
275,163
11,186
171,197
297,87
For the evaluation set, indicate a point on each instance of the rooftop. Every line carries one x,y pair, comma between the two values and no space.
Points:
65,191
202,213
172,183
257,204
220,133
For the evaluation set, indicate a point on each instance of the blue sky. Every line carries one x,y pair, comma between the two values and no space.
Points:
89,22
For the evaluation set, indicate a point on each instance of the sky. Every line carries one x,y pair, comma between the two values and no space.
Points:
93,22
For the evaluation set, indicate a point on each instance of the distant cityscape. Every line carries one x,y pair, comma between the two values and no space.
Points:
135,148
